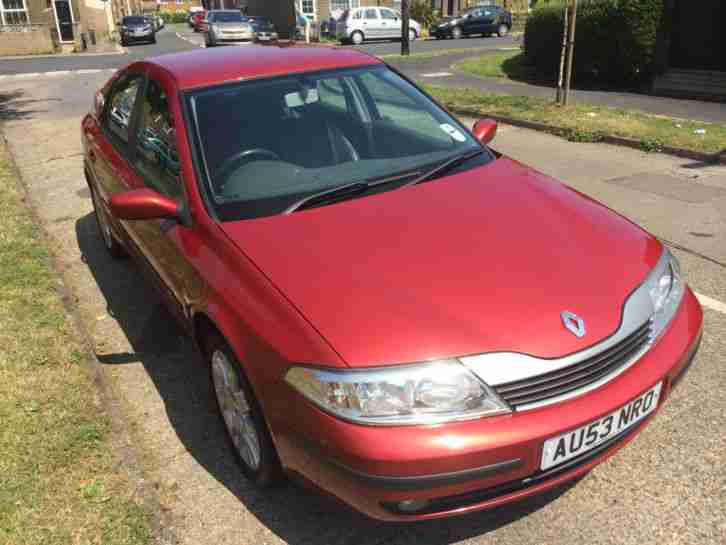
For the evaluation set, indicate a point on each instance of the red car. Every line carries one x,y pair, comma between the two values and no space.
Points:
199,21
414,323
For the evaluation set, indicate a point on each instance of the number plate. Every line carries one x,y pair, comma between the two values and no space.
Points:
577,442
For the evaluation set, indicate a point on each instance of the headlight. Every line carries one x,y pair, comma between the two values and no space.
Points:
666,288
427,393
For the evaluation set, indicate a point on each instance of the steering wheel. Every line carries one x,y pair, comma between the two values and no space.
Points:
233,163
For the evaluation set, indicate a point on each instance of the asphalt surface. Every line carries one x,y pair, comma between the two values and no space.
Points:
169,42
668,486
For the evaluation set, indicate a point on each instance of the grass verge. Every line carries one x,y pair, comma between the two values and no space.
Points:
59,481
588,123
504,64
432,54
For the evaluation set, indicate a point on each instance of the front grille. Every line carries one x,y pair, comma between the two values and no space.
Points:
579,375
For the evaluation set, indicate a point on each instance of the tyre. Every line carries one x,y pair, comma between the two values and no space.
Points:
112,245
412,35
124,43
153,40
357,37
241,415
457,33
502,30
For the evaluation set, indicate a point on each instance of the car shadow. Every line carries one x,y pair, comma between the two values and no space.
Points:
294,513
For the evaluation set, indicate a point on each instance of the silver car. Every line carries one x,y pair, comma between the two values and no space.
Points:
228,26
371,23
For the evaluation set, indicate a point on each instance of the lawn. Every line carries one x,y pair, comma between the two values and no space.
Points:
584,122
505,64
60,482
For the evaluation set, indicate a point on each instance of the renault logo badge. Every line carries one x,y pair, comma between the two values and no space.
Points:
573,323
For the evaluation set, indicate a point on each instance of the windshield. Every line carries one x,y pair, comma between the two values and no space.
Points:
135,21
226,17
263,145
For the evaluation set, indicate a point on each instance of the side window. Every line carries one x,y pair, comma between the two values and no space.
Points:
397,108
388,14
358,15
121,107
371,14
332,95
156,151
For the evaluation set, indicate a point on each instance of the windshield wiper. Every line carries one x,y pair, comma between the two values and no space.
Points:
446,166
344,191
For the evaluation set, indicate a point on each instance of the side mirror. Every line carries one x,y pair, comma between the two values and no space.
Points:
143,204
485,130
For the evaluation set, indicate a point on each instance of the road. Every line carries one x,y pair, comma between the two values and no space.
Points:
180,38
668,486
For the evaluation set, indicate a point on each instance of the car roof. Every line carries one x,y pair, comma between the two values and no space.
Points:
205,67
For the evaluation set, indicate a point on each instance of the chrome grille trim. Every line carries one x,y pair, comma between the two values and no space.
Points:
525,393
503,368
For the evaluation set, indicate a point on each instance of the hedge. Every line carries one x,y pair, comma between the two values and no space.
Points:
615,40
174,16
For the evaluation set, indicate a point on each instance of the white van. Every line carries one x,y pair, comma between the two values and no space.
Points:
372,23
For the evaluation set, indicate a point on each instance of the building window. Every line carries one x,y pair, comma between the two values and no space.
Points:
308,8
343,4
13,12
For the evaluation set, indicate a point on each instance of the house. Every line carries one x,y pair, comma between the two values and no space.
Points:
321,10
44,26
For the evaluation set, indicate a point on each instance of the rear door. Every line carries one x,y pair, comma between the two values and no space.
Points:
372,27
110,148
390,23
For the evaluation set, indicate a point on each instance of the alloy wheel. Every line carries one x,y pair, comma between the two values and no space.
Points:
456,33
236,409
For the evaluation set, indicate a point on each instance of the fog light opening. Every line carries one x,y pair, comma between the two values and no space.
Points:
413,506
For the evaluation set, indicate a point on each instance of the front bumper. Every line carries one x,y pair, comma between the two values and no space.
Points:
440,32
129,37
468,466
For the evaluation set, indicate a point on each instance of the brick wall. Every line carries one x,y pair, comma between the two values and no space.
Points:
33,42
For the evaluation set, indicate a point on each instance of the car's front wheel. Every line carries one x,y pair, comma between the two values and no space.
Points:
502,31
357,37
412,35
457,33
112,245
242,415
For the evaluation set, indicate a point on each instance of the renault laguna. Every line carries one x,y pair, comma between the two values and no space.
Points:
391,310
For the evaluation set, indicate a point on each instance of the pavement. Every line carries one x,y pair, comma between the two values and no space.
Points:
668,486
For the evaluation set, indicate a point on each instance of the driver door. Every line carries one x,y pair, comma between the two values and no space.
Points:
163,244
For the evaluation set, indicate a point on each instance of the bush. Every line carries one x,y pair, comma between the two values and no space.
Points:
422,12
615,40
174,16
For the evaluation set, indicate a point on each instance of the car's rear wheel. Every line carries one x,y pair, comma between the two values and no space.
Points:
242,416
357,37
104,227
502,31
457,33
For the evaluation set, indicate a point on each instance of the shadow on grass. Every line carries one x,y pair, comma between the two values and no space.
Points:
294,513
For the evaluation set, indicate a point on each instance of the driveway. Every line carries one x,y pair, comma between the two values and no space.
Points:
668,486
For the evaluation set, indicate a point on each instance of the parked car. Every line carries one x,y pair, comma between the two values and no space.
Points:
392,311
191,14
227,27
482,20
370,23
136,28
198,21
264,29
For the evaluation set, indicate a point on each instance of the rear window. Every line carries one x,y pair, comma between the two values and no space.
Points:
135,21
226,17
